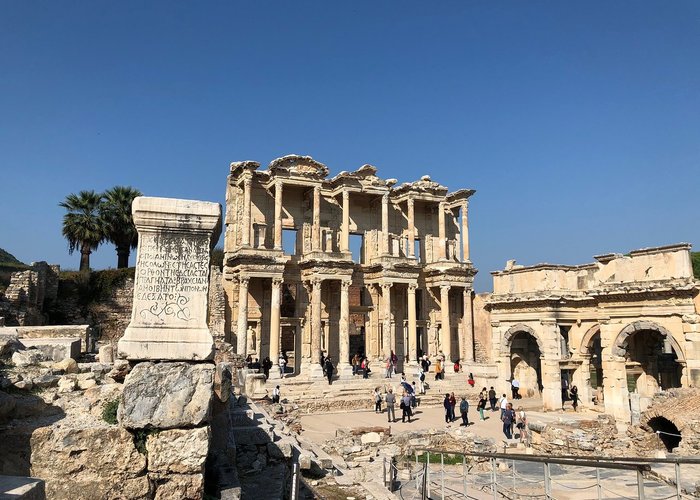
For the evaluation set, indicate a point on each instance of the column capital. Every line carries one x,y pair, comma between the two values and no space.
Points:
385,197
277,282
316,282
445,288
412,287
279,184
244,280
345,285
247,182
409,201
386,286
465,204
346,194
317,189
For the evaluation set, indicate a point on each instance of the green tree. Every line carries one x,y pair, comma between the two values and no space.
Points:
696,264
82,225
119,224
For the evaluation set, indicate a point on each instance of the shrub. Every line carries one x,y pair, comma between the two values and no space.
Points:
109,411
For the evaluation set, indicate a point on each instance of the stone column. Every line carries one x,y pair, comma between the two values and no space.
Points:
386,328
242,315
344,368
171,288
345,235
316,328
615,392
465,231
412,348
245,224
441,231
275,325
582,380
316,225
551,380
411,228
446,333
278,215
467,339
385,223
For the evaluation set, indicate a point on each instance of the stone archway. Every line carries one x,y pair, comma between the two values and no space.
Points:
524,350
513,331
619,347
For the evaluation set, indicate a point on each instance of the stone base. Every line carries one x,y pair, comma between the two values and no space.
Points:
345,372
315,371
22,488
140,343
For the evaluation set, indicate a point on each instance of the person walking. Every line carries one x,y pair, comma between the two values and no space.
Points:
425,364
328,367
508,418
266,365
448,408
453,403
470,380
464,410
503,403
282,362
377,400
394,362
276,394
355,364
574,397
406,407
514,388
388,368
390,402
522,426
421,380
438,369
481,405
365,368
492,398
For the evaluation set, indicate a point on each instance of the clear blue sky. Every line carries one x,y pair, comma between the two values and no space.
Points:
577,123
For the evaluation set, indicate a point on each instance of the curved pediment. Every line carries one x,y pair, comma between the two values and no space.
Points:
296,165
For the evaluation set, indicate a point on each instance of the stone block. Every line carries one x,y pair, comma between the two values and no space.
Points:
66,384
86,384
251,436
55,349
22,488
370,437
9,344
280,450
44,381
25,358
180,486
223,381
181,451
106,354
167,395
255,385
169,317
67,365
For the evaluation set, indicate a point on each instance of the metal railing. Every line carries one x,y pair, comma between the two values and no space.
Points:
478,475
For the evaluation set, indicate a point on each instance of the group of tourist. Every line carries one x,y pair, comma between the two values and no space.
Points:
569,394
406,404
360,365
266,365
450,403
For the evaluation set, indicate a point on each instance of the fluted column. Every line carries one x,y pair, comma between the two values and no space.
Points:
344,330
275,320
345,235
446,336
242,315
411,229
465,231
316,225
467,338
316,327
386,328
385,223
245,229
441,231
278,215
412,353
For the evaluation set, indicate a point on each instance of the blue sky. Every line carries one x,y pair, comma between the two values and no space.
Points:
578,123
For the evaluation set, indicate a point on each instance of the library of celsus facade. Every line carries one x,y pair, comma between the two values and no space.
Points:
352,264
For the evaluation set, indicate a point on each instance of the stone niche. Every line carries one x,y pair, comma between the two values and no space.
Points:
169,314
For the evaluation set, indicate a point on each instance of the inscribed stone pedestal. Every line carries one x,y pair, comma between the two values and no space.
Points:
169,314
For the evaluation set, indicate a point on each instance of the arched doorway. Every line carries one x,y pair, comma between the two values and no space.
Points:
592,362
667,432
653,359
525,364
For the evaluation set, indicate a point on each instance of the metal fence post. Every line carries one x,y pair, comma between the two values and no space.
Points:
493,479
427,472
384,471
424,490
547,484
442,476
464,473
514,488
599,486
678,479
640,484
295,481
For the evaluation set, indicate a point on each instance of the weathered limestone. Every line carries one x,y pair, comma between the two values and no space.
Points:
180,451
55,349
172,275
166,395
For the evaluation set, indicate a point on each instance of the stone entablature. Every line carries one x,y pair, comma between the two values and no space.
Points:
413,272
630,323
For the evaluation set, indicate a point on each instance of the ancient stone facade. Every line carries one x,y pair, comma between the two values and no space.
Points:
299,245
28,293
620,329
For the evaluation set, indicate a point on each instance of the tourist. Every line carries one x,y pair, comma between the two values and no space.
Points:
276,394
256,365
414,400
438,369
266,365
564,391
448,408
464,409
394,362
282,364
453,403
492,398
421,379
522,425
574,397
365,368
377,400
470,380
355,364
390,402
406,407
425,364
403,378
388,367
481,406
457,366
503,403
514,388
328,369
249,361
508,417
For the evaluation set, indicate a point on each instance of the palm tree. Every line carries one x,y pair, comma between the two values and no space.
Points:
82,225
119,225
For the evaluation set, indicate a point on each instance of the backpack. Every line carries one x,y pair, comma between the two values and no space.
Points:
463,406
422,376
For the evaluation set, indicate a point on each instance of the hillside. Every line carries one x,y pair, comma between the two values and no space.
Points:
8,265
6,258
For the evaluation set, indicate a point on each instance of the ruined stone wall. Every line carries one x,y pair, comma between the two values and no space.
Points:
29,293
482,329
